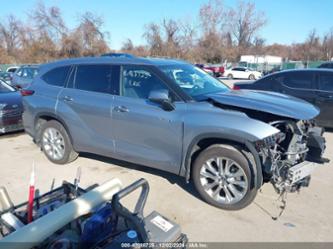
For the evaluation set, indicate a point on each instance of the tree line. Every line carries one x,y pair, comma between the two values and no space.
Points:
217,34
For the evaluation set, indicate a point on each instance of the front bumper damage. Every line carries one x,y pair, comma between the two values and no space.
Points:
289,160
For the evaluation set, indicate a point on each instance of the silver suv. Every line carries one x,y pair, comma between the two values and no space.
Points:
173,116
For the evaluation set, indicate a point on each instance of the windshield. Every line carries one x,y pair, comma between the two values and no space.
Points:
194,81
4,88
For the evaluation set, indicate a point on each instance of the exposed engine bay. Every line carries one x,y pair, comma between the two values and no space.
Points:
290,156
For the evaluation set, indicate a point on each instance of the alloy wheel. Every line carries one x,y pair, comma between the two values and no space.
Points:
223,180
53,143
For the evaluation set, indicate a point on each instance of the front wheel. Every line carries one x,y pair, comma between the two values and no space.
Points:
222,176
230,76
56,143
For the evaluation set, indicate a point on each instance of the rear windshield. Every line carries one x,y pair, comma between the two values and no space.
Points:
4,88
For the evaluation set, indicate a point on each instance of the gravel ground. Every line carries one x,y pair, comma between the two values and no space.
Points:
308,216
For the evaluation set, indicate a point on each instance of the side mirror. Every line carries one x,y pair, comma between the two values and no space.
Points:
161,97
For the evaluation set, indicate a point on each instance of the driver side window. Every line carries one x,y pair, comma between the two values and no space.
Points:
137,82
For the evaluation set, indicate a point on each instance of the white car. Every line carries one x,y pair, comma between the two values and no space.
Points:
242,73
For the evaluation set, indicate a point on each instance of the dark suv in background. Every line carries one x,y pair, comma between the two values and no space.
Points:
171,115
312,85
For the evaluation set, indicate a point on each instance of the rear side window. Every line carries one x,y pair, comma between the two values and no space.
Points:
326,82
56,76
301,80
94,78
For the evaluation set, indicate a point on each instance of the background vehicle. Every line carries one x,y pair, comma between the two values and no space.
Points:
327,65
12,69
202,66
172,116
217,69
242,73
312,85
6,77
11,109
24,76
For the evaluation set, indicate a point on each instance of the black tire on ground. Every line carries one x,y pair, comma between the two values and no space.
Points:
230,76
252,77
69,153
231,152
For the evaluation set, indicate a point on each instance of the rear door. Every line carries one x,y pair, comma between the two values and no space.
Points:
300,84
324,98
86,106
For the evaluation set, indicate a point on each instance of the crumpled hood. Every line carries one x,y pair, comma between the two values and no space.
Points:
270,102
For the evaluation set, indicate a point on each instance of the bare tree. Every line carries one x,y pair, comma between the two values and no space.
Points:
328,45
9,35
48,21
154,39
212,17
91,34
127,46
244,24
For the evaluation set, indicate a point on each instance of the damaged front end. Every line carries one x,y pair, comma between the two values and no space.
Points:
290,156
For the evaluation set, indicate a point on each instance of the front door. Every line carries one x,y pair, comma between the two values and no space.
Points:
145,133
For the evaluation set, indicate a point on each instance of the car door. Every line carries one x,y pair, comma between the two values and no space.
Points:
242,73
86,105
236,72
145,133
324,99
300,84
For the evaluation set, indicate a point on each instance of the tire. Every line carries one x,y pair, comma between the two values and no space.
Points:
56,144
230,76
240,193
252,77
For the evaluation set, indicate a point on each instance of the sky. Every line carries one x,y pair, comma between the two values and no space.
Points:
288,20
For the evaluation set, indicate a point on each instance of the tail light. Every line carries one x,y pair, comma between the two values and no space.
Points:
235,87
27,92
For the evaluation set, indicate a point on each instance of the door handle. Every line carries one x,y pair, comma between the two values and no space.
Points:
121,109
68,99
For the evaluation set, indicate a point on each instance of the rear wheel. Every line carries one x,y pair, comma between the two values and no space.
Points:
56,144
252,77
230,76
222,176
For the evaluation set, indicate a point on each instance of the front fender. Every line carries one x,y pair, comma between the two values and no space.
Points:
226,125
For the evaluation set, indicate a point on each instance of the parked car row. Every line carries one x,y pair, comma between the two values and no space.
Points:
19,77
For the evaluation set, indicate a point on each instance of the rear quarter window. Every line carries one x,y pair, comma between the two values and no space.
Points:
56,76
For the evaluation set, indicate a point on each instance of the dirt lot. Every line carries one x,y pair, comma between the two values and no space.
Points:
308,216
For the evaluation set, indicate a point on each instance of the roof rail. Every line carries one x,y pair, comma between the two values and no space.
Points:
118,55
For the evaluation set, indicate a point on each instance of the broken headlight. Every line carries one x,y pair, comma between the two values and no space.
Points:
270,141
